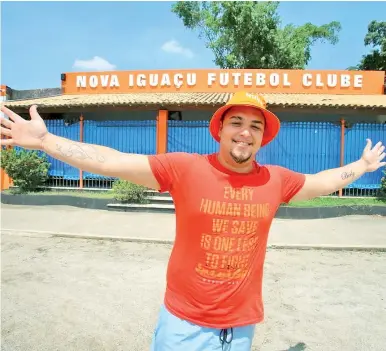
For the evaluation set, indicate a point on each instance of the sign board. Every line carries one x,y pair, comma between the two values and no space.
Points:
221,80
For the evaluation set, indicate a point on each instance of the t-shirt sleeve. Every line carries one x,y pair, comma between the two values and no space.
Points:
291,183
168,168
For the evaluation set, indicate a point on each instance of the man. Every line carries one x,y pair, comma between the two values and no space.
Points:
225,203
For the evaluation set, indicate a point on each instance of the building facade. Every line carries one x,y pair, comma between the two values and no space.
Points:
326,116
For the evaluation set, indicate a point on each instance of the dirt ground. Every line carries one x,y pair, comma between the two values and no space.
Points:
75,294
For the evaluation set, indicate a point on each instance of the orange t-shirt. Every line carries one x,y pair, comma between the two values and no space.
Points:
215,271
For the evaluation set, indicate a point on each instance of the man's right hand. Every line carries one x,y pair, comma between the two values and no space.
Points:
27,134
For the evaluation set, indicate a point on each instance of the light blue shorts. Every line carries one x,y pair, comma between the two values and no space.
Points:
175,334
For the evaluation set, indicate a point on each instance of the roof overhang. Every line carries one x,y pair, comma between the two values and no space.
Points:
310,103
203,101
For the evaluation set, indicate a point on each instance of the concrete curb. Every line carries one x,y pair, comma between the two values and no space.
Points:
55,200
49,234
284,212
380,248
283,246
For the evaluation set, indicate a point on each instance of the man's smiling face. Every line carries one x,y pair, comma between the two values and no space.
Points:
241,133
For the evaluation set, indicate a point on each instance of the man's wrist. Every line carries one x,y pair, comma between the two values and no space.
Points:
362,165
44,140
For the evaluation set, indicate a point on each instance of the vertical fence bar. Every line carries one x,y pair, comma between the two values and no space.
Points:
81,134
162,131
342,129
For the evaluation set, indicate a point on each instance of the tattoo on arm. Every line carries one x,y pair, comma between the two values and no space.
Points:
80,152
346,175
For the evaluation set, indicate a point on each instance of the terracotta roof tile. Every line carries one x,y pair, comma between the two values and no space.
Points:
201,99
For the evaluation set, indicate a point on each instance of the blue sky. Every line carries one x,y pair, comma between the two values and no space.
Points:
40,40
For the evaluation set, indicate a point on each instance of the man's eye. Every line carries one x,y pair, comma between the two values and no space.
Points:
236,123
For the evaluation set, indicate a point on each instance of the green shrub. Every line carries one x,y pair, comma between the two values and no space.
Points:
124,191
28,169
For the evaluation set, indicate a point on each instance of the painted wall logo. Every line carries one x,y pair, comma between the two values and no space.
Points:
268,81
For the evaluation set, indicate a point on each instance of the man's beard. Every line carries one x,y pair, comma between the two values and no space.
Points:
241,158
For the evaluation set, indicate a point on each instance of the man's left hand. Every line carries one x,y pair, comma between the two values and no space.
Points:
373,156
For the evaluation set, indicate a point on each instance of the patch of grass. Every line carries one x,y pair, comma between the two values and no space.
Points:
335,201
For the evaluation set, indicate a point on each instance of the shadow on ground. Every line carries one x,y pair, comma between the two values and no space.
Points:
300,346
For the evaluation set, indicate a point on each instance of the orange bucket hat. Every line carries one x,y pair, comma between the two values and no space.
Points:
272,122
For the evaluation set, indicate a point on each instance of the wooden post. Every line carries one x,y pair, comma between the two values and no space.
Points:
162,131
342,130
81,132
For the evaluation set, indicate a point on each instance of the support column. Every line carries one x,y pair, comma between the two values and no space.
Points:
81,133
162,131
342,130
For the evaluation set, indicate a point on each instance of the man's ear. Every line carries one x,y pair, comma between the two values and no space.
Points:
220,128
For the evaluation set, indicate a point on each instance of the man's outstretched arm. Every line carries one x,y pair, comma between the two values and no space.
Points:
331,180
101,160
91,158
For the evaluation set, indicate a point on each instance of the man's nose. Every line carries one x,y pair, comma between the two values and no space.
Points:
245,132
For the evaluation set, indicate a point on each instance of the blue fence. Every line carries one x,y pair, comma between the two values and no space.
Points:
125,136
190,136
307,147
58,168
355,141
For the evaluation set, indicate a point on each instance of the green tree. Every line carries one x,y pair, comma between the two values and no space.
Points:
248,34
376,38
